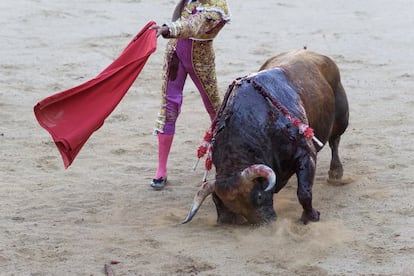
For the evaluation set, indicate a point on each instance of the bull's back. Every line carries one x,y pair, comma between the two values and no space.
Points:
302,62
315,78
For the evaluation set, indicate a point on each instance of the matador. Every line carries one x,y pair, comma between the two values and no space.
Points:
189,52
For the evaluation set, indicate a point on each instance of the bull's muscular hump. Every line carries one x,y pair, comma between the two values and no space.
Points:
261,136
316,79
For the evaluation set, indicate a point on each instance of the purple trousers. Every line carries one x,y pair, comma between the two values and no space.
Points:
188,60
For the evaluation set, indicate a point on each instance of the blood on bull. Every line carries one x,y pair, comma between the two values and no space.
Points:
270,126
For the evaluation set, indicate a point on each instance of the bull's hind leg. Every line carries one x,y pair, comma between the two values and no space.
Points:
336,170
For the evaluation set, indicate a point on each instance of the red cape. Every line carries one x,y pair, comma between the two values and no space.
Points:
73,115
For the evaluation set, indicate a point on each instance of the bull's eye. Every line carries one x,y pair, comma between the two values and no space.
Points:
259,198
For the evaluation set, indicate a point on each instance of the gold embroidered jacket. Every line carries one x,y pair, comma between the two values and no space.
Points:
200,21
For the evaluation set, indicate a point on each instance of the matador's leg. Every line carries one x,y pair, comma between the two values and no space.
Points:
172,93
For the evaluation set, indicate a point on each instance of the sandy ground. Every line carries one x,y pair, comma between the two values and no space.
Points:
71,222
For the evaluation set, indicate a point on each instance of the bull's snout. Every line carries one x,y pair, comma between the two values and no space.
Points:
261,216
268,216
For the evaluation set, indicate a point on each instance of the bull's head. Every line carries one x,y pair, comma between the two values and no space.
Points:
252,198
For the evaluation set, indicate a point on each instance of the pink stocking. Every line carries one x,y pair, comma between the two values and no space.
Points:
164,146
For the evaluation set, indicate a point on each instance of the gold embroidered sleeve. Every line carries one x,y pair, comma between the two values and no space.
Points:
201,25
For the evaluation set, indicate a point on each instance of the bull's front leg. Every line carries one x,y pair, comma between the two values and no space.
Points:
305,176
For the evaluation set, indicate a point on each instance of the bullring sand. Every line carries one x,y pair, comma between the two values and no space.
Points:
71,222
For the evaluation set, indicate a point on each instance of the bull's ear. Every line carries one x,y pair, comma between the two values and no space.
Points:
262,183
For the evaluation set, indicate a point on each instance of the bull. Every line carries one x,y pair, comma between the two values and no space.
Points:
271,125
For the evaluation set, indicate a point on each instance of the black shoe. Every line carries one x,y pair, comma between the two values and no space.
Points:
159,184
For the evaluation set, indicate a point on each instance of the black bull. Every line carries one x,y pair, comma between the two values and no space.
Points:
260,137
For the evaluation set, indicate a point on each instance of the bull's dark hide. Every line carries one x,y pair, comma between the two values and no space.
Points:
270,126
254,122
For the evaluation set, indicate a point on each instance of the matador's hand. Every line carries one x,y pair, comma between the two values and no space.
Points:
161,30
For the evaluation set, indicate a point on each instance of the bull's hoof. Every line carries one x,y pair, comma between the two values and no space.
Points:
310,216
335,173
340,181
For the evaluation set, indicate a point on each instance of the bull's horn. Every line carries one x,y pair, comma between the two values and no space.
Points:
260,170
205,190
